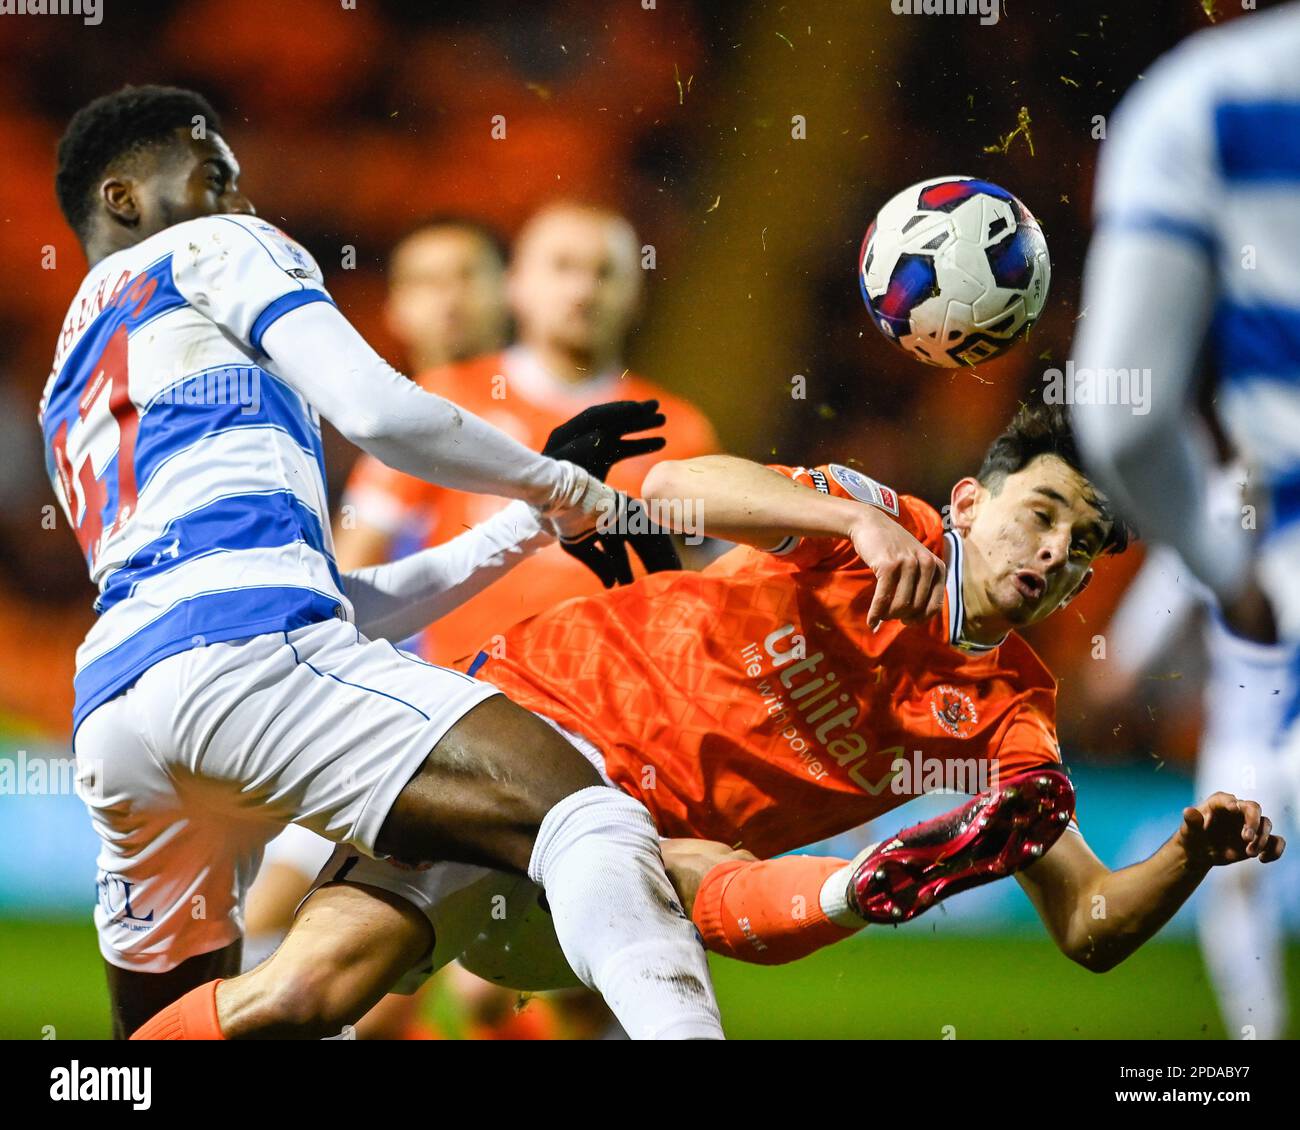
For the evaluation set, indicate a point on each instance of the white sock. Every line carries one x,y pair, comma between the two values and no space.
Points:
618,919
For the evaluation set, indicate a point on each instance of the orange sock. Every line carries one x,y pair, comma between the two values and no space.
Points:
768,911
193,1017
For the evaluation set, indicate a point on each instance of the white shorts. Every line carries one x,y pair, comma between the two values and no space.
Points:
495,924
190,772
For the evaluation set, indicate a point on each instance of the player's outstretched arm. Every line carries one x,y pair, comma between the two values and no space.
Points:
393,601
738,500
319,353
1097,917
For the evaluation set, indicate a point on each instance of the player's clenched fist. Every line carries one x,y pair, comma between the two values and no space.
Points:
1223,829
909,578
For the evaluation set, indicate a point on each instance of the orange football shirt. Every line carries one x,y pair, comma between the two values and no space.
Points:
749,703
511,391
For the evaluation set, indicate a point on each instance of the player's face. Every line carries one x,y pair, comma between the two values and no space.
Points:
192,178
576,281
446,298
1032,543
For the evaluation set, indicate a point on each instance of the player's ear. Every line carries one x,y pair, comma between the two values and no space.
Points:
1084,582
963,503
119,197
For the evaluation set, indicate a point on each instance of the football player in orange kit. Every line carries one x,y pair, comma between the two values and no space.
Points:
774,699
574,286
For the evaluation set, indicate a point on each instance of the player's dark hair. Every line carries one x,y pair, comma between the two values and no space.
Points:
458,221
1044,429
114,126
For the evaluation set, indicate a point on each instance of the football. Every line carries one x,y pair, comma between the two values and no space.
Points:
954,270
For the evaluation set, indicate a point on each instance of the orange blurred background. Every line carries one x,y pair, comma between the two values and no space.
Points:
353,123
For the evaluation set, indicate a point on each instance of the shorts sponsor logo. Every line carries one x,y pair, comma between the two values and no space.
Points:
115,894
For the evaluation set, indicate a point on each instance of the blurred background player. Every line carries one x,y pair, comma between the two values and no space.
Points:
574,288
446,292
1195,189
1243,700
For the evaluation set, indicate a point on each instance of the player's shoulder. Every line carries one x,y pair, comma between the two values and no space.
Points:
216,238
1032,674
1240,60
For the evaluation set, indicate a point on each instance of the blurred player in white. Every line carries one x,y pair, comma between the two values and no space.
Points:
1194,258
1246,692
236,681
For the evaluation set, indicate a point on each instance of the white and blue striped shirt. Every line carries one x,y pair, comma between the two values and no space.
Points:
192,476
1205,151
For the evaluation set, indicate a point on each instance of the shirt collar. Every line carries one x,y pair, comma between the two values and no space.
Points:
954,557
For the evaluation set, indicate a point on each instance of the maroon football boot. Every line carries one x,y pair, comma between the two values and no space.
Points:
992,835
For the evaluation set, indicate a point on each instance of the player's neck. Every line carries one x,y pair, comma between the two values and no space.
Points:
103,242
981,624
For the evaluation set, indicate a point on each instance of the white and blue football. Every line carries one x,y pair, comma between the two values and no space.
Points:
954,270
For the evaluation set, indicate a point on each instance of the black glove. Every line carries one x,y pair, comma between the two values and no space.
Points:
595,439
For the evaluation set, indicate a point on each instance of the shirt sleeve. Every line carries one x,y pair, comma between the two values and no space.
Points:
396,600
244,274
1158,170
842,482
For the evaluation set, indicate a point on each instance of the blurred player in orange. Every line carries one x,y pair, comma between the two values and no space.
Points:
815,678
574,288
446,292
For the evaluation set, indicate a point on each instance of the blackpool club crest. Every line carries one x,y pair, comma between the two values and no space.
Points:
954,711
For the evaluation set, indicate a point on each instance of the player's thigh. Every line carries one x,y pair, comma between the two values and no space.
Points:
171,876
483,791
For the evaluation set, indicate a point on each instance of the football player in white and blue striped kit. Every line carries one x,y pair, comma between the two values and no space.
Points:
235,682
1194,259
